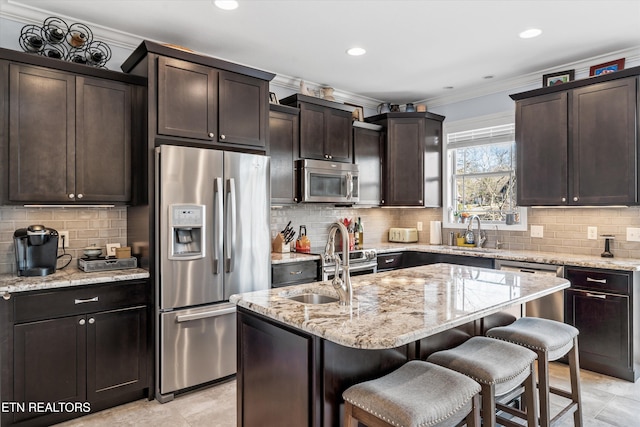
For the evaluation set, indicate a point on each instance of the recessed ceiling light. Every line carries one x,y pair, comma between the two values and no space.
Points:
356,51
530,33
226,4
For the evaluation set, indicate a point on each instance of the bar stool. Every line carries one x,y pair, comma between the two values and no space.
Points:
416,394
551,340
500,368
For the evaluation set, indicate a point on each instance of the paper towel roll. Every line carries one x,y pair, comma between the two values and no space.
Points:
435,235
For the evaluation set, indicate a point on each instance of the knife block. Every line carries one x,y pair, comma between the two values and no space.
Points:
279,246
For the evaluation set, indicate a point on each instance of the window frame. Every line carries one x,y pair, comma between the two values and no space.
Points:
448,169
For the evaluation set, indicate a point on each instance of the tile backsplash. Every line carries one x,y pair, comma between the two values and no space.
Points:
86,226
565,230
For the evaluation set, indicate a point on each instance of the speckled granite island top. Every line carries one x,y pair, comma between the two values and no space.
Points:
70,276
398,307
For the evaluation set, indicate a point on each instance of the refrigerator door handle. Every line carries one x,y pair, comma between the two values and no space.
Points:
231,224
205,314
218,212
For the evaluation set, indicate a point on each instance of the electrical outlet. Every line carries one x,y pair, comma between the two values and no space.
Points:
537,231
592,233
63,236
419,226
633,234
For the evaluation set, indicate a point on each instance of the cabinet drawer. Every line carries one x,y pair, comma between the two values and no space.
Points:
79,300
599,280
389,261
296,272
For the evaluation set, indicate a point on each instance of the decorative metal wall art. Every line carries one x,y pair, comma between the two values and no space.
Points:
56,39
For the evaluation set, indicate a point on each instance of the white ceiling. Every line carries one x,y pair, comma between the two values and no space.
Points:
414,48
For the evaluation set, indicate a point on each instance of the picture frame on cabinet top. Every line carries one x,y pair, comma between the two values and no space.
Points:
554,79
273,98
607,67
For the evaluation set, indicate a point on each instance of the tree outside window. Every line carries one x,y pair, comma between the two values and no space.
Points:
482,174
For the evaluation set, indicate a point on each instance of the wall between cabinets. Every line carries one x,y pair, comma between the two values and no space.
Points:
86,226
565,230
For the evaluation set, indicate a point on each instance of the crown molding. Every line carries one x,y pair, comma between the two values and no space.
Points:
533,79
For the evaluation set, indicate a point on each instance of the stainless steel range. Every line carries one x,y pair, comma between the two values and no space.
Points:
361,261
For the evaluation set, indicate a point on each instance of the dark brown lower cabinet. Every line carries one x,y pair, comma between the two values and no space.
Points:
92,350
600,304
290,378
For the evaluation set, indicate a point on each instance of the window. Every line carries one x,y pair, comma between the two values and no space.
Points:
481,166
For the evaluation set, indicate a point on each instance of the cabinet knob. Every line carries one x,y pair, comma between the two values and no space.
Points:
223,137
419,201
81,322
80,196
326,156
211,134
71,196
295,199
575,199
92,320
330,156
564,199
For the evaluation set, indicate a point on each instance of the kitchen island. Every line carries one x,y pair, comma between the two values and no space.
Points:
295,359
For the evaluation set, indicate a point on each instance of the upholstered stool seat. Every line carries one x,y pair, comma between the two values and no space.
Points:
499,367
551,340
416,394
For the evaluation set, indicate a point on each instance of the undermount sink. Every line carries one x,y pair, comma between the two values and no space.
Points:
313,299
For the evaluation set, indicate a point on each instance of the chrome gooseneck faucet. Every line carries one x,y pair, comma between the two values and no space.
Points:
341,280
482,237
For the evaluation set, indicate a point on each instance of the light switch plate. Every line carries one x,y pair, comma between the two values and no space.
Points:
592,233
419,226
537,231
111,249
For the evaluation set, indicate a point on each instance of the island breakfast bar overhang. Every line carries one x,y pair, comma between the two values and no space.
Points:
295,360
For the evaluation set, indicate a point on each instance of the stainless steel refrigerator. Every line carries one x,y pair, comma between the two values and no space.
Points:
212,211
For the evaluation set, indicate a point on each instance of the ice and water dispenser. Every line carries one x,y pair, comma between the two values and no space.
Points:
186,226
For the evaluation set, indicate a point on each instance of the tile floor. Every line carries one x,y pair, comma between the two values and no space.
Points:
607,402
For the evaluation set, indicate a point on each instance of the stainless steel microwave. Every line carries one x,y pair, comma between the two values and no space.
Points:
327,182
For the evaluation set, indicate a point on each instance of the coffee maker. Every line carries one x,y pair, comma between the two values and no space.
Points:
36,250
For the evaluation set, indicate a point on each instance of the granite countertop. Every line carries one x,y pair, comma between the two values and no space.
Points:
70,276
398,307
625,264
286,257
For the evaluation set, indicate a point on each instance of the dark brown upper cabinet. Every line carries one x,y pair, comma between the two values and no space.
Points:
284,146
412,158
325,128
578,145
199,102
69,137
